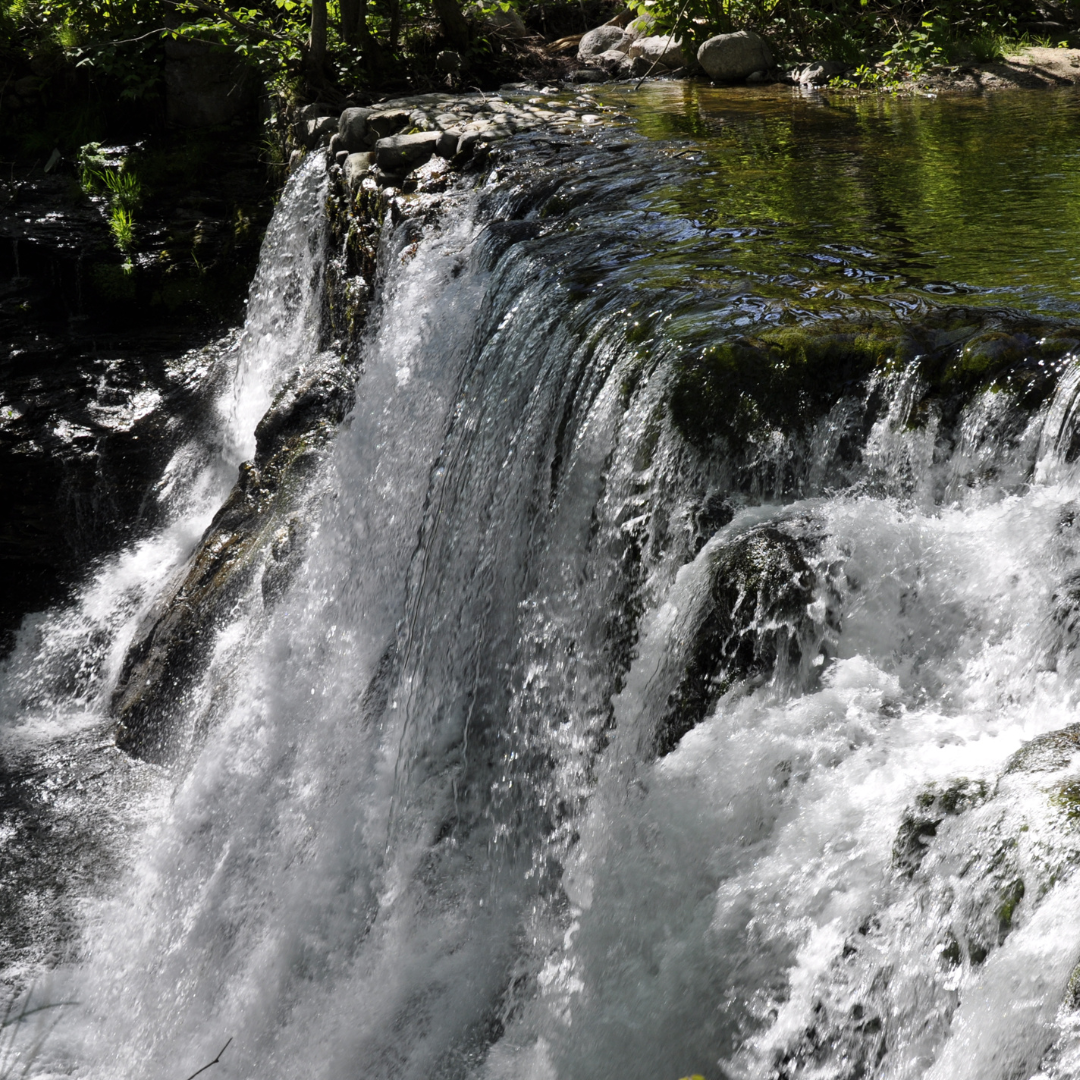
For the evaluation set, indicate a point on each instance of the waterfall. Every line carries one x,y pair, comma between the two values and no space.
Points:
579,741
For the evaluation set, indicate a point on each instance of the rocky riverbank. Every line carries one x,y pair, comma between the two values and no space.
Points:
93,376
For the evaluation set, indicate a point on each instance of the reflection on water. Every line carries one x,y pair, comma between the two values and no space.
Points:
833,194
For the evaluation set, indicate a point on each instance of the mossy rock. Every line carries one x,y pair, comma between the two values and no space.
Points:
1011,896
782,379
1046,753
756,610
256,532
787,377
1004,354
1072,991
1066,798
986,355
920,822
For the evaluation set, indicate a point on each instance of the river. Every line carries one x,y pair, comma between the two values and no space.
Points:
679,668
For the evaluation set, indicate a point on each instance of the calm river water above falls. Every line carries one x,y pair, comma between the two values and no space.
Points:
676,665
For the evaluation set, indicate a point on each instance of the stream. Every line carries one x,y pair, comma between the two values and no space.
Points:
669,667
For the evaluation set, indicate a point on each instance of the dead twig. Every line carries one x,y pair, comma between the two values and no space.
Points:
209,1063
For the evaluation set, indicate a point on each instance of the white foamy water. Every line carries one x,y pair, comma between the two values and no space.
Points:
55,687
428,834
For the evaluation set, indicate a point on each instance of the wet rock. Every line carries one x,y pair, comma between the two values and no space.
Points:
732,57
780,380
715,512
243,540
352,129
817,74
401,153
1072,991
920,822
356,167
661,53
388,180
600,40
387,122
1046,753
754,619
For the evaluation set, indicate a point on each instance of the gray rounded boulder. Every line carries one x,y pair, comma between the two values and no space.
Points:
663,53
732,57
599,41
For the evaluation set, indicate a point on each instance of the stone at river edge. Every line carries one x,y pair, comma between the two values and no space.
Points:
600,40
400,153
817,74
732,57
663,53
353,129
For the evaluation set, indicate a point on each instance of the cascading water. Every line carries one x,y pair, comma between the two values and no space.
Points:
628,712
66,785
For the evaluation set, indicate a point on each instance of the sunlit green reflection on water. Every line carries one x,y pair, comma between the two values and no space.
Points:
828,198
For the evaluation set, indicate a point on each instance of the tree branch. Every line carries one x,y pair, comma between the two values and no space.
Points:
209,1063
224,13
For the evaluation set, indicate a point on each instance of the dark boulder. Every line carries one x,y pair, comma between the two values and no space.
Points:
753,621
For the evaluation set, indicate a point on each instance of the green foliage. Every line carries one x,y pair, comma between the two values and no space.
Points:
123,228
121,185
886,38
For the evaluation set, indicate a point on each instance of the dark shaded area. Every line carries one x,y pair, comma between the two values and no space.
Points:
91,404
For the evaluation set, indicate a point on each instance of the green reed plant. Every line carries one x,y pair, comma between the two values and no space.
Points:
121,185
123,228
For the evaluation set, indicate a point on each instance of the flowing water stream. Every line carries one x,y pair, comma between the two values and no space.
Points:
680,672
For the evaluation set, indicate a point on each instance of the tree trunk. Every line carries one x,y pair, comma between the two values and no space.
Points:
316,57
454,27
350,21
395,23
355,31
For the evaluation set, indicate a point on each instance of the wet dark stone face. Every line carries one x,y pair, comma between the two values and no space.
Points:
92,398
